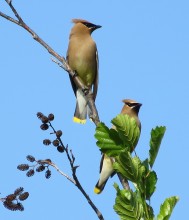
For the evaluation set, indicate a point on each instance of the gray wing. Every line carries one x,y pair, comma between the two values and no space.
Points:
95,85
71,80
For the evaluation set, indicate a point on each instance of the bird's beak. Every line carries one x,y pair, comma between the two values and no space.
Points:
139,104
96,27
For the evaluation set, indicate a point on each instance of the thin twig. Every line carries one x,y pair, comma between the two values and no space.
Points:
58,63
50,163
9,18
124,182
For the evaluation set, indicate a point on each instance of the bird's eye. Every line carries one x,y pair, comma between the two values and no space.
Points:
87,24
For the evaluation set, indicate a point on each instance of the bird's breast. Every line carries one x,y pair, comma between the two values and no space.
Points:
82,59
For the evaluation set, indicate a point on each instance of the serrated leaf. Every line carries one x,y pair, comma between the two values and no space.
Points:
130,168
127,205
127,129
155,141
108,140
167,207
150,182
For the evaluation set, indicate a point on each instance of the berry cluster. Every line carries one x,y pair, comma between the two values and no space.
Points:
46,123
13,201
39,166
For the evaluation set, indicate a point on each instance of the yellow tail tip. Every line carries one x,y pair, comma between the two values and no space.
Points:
97,190
80,121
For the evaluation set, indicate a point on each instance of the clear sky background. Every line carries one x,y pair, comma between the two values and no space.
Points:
144,55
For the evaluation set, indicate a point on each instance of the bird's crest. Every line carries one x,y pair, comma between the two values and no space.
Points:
77,20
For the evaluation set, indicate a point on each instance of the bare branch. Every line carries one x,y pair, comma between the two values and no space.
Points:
9,18
75,181
50,163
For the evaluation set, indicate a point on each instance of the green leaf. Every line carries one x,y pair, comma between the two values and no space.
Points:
127,205
127,129
124,134
108,140
167,207
150,181
130,168
155,141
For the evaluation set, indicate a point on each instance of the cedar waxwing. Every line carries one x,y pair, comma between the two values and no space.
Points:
82,57
130,108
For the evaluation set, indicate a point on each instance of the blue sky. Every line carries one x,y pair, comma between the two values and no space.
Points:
144,52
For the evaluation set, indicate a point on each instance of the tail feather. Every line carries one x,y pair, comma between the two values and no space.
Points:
80,114
80,121
99,188
106,171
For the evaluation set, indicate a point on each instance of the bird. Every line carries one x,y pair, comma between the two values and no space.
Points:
130,108
82,57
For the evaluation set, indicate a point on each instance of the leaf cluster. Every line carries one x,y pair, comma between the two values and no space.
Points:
113,141
119,142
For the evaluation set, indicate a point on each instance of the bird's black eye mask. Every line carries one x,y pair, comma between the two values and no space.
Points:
89,25
131,104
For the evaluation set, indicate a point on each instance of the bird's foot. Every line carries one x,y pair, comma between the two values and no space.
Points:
85,91
75,74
